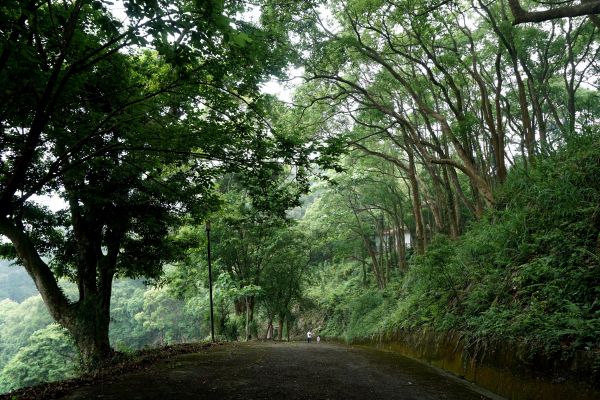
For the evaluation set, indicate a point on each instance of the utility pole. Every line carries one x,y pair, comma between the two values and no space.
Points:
212,320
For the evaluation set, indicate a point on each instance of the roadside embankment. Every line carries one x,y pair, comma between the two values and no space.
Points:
506,369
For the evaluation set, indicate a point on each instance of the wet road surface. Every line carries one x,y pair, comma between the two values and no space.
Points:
285,371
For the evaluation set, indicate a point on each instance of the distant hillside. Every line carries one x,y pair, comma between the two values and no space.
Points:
15,284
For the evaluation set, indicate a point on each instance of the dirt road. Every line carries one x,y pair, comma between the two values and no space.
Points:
284,371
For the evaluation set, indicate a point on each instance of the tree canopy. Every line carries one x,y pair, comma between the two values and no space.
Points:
128,122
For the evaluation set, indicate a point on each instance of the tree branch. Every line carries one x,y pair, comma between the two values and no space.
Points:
585,8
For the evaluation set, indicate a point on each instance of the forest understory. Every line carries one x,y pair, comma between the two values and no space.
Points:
526,272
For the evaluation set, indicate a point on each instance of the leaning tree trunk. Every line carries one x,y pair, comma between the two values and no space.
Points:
87,320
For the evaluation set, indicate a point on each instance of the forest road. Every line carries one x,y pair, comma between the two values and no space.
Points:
285,371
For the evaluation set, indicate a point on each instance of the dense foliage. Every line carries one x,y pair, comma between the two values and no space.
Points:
458,148
529,271
128,122
35,350
260,260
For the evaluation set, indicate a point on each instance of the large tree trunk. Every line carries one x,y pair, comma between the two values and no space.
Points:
280,333
499,151
97,246
89,329
86,320
239,306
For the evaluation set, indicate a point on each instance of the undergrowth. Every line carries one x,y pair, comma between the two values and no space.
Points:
529,271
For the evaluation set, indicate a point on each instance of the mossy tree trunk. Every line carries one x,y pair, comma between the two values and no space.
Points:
90,332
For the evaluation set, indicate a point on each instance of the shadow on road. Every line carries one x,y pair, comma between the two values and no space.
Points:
286,371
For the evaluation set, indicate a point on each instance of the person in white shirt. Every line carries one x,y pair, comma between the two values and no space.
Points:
309,336
318,339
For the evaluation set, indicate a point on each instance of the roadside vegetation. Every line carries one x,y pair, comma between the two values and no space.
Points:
528,271
436,168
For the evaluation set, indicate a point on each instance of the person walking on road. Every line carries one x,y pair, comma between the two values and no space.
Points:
308,335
